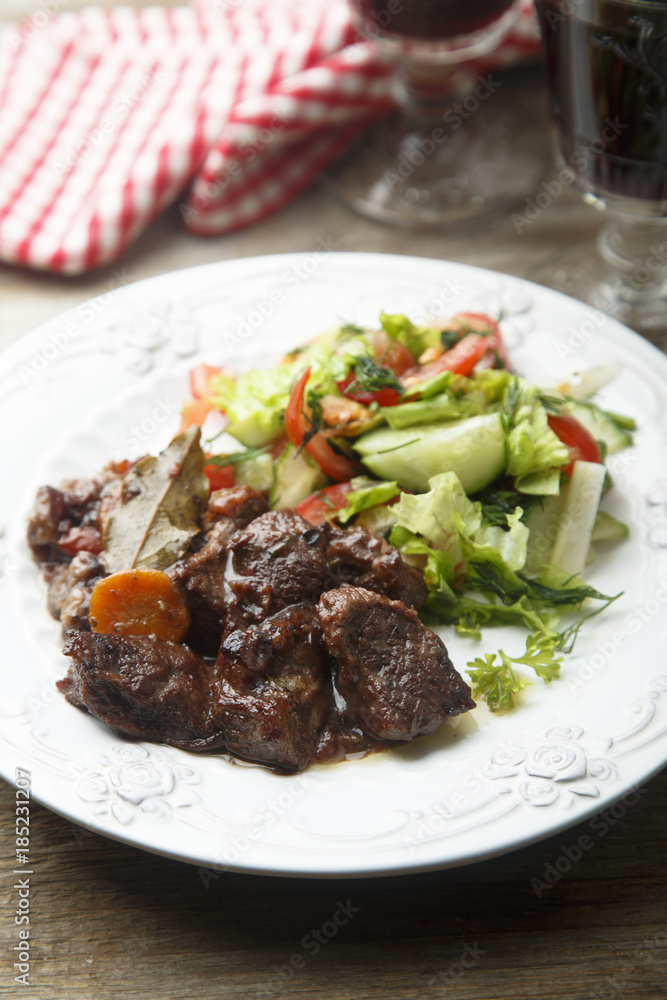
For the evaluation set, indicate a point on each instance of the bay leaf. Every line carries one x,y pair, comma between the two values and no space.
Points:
162,500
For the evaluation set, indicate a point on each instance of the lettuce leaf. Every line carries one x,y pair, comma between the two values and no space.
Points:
367,493
441,515
532,447
254,402
512,545
415,338
438,567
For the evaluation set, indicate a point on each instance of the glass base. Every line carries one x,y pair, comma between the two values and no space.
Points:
444,176
578,270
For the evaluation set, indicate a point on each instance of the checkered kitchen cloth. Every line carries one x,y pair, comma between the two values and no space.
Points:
227,107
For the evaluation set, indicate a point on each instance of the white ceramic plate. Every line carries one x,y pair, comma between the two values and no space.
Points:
107,379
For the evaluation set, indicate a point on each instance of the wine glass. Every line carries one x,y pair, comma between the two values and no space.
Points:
455,152
607,69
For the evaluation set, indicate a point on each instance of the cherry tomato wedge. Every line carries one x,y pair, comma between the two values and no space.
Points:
297,426
581,445
480,323
219,476
383,397
459,359
200,377
388,353
295,422
317,506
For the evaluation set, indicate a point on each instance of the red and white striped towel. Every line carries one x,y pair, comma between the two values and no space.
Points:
227,107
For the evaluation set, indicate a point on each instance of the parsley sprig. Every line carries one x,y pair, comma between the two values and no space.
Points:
369,376
498,682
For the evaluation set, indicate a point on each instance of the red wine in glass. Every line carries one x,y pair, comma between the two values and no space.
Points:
607,70
426,19
425,166
607,66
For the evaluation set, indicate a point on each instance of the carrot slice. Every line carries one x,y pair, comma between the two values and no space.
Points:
139,602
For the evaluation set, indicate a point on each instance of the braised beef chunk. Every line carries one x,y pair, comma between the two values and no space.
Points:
274,691
83,572
69,588
71,519
294,681
394,673
360,558
55,577
48,513
236,504
202,574
343,739
142,687
277,561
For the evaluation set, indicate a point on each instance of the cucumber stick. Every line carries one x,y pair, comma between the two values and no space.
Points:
576,522
474,449
542,521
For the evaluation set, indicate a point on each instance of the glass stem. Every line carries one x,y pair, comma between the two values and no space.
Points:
636,250
424,90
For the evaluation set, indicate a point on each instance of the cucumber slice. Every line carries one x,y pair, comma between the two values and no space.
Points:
608,528
295,477
601,425
474,449
256,472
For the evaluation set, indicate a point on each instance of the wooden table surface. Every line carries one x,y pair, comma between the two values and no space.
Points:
110,921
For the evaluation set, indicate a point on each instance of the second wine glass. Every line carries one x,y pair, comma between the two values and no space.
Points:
454,152
607,70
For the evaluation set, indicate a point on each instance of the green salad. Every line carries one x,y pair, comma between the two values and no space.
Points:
490,485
